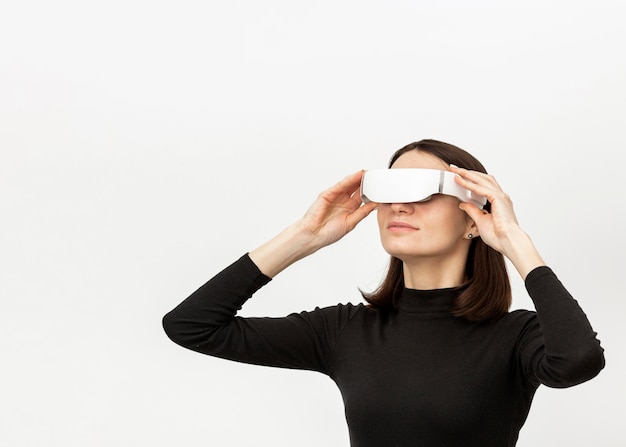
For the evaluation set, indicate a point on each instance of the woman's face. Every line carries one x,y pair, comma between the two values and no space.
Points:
436,228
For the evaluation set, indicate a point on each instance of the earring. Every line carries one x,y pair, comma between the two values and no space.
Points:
469,236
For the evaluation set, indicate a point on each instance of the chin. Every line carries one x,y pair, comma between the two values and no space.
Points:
404,254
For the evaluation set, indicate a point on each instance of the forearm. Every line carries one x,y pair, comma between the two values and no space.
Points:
289,246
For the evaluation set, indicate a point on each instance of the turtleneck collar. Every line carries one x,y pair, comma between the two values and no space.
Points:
427,302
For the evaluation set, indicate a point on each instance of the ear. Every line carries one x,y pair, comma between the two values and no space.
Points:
471,229
471,212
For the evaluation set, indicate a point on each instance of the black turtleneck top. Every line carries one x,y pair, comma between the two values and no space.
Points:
417,376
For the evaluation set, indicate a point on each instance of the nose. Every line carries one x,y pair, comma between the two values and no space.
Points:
402,208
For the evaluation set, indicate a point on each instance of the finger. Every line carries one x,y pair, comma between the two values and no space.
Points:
475,213
475,176
466,172
351,180
481,184
346,186
361,213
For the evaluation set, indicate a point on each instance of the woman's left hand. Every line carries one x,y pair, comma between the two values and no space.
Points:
496,227
499,228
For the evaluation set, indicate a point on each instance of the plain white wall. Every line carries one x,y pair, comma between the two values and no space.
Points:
146,145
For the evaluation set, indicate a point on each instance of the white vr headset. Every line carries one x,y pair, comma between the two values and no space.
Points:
413,185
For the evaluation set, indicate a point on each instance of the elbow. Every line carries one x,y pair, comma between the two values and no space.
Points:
186,332
577,369
176,330
594,361
591,361
171,327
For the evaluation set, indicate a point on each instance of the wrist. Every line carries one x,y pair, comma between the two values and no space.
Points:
519,248
286,248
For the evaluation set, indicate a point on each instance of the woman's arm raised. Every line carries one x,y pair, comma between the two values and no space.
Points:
206,321
563,350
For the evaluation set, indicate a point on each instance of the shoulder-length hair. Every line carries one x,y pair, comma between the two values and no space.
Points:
486,292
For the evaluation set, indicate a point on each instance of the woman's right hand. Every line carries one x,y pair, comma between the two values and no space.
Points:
335,213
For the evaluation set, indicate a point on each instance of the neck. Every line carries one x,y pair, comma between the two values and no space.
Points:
432,273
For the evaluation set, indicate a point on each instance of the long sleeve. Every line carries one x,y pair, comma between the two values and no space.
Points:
559,348
206,322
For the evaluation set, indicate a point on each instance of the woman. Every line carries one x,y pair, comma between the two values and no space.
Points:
434,358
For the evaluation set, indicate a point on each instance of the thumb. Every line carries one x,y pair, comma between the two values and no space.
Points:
361,213
472,211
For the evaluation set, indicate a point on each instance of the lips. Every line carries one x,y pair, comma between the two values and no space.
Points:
400,226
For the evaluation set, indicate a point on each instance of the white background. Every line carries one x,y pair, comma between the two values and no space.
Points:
147,145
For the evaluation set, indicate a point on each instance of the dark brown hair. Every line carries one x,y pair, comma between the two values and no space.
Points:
486,293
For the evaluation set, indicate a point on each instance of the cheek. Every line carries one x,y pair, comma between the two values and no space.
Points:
381,212
458,223
448,222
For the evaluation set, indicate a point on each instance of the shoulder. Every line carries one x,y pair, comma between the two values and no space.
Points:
337,317
340,311
518,317
516,322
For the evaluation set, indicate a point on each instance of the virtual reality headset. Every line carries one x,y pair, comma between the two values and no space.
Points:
413,185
